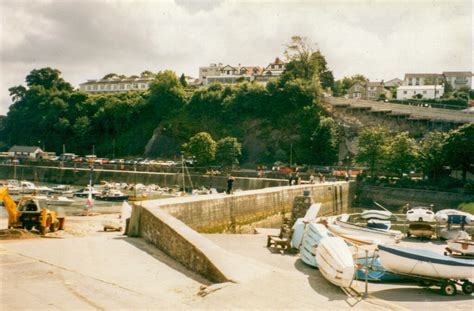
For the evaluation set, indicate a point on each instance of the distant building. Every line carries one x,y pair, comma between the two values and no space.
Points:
31,152
357,91
424,91
458,79
423,79
116,83
368,90
232,74
393,83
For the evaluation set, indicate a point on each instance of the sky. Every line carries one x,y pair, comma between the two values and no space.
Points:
89,39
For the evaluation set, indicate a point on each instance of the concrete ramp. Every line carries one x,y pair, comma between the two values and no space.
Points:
191,249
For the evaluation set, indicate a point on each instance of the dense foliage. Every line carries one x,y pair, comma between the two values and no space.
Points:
269,122
434,154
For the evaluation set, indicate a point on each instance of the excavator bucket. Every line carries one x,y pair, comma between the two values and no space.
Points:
9,205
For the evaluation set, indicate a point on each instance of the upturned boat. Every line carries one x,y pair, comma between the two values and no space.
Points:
313,234
424,263
421,230
335,261
376,214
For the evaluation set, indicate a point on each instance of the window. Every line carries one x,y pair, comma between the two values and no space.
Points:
94,87
101,87
405,92
122,86
436,92
424,92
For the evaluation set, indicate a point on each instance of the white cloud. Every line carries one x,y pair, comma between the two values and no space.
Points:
381,39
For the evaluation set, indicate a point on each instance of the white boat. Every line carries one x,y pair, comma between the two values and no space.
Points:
27,187
376,214
340,227
314,233
424,263
335,261
59,200
453,234
420,213
443,215
64,190
298,233
462,246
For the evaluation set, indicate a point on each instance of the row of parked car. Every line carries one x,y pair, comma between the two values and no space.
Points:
101,161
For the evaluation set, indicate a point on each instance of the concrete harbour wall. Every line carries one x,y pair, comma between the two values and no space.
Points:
227,213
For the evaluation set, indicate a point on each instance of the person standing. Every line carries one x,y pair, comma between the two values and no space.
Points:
230,182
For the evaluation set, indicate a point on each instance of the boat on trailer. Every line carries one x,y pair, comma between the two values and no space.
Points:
428,267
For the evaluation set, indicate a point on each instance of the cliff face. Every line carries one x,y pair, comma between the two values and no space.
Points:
352,121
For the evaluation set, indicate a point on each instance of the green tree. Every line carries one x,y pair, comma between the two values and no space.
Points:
48,78
402,154
459,149
182,80
323,143
228,150
201,146
371,147
431,156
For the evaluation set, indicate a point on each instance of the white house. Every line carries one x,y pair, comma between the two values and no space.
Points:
426,91
31,152
116,84
458,79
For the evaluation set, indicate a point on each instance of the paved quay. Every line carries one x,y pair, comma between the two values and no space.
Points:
95,270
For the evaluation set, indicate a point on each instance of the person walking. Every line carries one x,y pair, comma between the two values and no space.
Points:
230,182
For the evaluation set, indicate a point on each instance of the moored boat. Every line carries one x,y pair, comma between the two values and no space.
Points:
424,263
335,261
112,196
442,216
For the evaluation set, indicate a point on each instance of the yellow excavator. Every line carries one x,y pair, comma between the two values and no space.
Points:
28,214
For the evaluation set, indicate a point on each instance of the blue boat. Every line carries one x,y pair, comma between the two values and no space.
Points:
377,273
313,234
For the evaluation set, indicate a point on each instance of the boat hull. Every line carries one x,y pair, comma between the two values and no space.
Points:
453,234
376,214
465,247
112,199
381,236
420,214
424,263
421,230
335,261
313,234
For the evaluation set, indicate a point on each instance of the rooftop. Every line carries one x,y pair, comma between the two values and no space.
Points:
420,87
28,149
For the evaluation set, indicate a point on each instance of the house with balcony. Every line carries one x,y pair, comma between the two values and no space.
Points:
368,90
458,79
416,79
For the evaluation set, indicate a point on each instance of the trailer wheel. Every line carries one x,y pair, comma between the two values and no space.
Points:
467,287
448,289
54,226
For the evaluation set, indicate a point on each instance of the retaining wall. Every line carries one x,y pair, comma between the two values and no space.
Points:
401,196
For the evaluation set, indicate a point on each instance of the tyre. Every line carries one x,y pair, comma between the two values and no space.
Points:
467,287
448,289
54,226
42,229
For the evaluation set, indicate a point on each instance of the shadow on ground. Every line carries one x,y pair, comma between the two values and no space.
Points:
162,257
